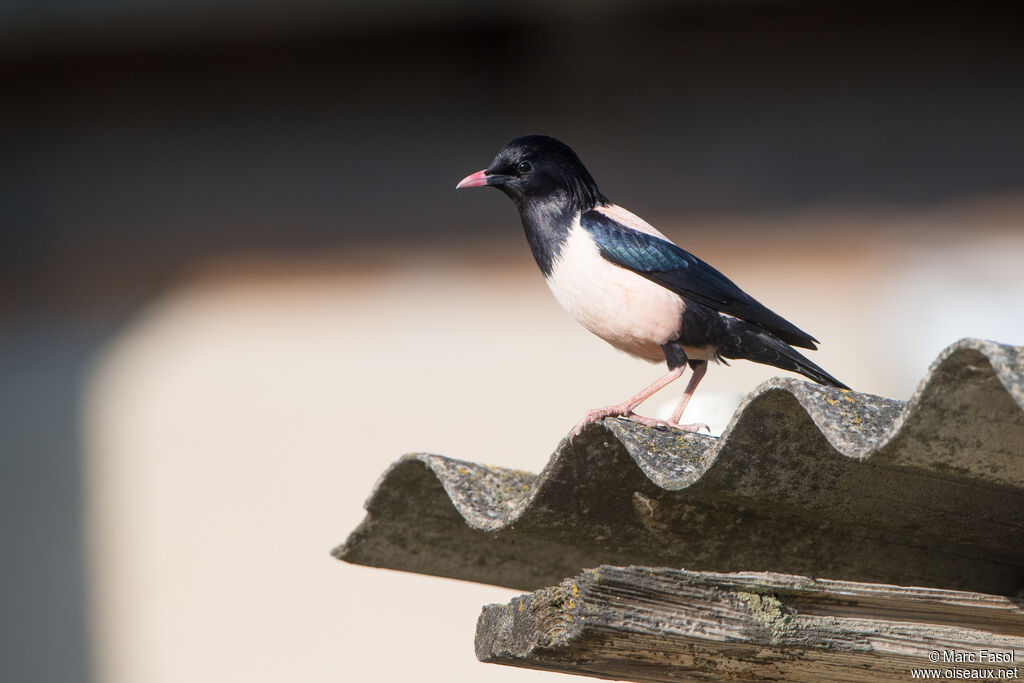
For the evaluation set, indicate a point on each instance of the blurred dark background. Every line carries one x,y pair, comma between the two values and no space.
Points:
138,142
136,139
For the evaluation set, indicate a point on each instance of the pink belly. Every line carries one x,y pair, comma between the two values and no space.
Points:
627,310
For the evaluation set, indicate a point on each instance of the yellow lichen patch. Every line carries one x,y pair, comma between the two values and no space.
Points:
463,470
849,398
575,590
856,420
772,614
831,401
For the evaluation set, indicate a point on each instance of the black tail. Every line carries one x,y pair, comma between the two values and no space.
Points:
749,342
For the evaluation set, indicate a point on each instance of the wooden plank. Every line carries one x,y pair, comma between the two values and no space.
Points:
644,624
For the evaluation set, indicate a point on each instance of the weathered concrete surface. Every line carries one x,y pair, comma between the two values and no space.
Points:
644,624
805,480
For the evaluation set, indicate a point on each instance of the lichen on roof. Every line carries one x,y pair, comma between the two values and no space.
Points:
805,480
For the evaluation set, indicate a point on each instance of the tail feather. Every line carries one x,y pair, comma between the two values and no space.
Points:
747,341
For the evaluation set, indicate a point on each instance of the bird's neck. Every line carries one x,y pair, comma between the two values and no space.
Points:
547,223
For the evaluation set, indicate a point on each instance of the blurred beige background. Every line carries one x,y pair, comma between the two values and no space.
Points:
234,429
236,281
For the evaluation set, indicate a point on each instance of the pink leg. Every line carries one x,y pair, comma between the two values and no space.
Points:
698,375
625,409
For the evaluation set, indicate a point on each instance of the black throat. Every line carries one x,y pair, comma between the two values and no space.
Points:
548,218
547,222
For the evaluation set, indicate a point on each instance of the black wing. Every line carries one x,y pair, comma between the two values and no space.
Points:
675,269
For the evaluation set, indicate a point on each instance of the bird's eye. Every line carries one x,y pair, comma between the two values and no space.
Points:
524,167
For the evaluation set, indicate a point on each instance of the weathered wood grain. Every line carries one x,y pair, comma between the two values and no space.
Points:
643,624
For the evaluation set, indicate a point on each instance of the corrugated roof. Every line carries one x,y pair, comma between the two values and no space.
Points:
805,480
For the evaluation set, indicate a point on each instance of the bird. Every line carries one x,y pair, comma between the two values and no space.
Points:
630,285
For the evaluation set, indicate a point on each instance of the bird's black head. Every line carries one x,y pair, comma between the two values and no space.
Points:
539,168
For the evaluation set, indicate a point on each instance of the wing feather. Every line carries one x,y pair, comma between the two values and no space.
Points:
677,270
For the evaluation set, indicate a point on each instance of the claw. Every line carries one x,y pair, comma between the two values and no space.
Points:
624,411
654,422
695,427
598,414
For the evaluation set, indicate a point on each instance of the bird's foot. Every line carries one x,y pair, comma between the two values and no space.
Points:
596,414
625,411
693,427
654,422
